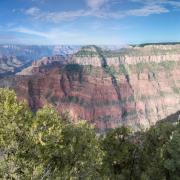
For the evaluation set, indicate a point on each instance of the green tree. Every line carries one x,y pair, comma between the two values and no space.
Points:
121,157
154,142
65,150
15,118
172,156
45,145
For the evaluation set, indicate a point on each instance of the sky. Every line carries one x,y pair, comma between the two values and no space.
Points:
80,22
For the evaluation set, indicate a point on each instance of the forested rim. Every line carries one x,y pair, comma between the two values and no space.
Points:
48,146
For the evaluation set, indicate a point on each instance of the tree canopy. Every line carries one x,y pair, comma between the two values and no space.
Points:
46,145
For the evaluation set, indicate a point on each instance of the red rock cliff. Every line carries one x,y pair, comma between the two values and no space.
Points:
135,94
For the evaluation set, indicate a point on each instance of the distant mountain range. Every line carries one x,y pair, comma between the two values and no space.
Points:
15,57
34,52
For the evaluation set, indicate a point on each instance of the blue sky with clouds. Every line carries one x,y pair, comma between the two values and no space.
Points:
89,21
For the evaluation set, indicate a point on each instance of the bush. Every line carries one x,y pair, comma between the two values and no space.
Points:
45,145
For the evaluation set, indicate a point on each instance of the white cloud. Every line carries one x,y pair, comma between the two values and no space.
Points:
57,36
147,7
57,17
29,31
38,1
159,2
53,36
96,4
174,3
32,11
63,16
147,10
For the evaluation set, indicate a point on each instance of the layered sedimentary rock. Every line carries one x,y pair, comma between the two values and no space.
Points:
131,55
138,91
47,62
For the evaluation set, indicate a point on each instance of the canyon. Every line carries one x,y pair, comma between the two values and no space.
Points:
134,86
14,58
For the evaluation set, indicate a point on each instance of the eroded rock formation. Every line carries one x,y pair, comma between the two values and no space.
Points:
137,86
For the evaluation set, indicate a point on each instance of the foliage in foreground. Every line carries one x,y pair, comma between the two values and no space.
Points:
48,146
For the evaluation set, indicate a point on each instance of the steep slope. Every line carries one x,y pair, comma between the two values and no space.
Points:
136,86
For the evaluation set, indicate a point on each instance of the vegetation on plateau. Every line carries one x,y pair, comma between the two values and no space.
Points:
45,145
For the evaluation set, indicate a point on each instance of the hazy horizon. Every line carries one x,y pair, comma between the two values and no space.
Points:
116,45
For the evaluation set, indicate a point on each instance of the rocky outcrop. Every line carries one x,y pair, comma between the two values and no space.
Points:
105,93
131,55
42,64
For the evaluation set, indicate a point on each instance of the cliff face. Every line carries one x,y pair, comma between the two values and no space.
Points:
130,87
42,64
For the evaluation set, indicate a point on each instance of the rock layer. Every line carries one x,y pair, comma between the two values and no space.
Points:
136,92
